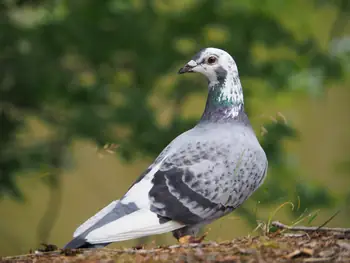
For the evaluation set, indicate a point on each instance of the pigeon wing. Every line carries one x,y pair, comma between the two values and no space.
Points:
203,181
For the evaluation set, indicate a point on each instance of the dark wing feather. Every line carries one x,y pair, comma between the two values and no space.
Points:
177,207
203,181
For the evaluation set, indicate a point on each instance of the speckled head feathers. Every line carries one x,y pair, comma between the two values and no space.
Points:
225,98
213,63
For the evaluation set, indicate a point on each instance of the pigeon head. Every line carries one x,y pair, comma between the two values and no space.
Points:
225,97
213,63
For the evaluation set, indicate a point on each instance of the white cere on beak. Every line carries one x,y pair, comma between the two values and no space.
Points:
192,63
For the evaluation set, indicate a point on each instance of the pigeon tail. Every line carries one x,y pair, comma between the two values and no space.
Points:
138,224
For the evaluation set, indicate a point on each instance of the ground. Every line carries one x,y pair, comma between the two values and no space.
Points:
277,247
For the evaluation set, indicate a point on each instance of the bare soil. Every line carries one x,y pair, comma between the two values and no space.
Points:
292,247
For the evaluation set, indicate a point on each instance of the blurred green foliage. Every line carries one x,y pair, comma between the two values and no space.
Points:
98,70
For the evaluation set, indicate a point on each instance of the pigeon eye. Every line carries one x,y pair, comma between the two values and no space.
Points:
211,60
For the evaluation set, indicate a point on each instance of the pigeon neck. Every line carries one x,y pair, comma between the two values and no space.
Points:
225,98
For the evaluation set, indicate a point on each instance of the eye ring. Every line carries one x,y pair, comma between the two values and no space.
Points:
212,60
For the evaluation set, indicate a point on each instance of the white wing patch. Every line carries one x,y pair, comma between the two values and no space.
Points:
138,194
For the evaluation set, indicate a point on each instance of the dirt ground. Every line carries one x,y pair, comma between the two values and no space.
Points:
291,247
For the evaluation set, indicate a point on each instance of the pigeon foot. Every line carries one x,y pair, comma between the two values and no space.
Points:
191,239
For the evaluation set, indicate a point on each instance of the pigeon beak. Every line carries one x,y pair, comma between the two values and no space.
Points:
188,67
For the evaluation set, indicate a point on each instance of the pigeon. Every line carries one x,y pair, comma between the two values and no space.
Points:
203,174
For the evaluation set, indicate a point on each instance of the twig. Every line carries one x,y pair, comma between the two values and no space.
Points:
329,220
310,228
318,260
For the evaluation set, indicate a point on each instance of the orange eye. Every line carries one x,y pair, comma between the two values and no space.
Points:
211,60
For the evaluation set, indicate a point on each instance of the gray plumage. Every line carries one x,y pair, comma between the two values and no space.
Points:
202,175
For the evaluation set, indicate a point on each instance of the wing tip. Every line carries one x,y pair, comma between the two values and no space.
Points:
80,242
77,242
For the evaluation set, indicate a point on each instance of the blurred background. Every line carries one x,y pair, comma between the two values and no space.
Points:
90,96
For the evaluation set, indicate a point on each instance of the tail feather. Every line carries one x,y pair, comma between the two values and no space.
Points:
124,219
137,224
140,223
